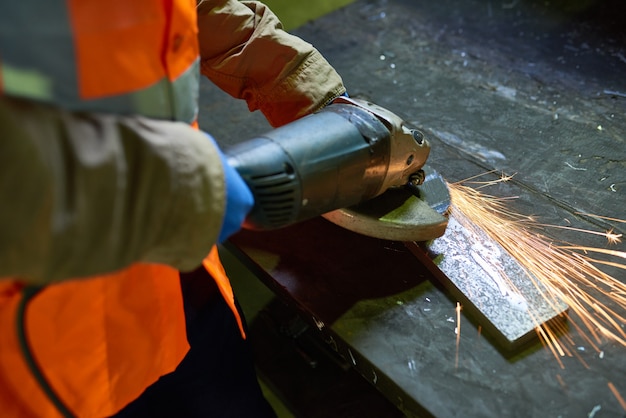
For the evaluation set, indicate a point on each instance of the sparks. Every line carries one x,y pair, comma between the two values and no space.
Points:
565,271
458,334
617,395
606,218
480,184
611,236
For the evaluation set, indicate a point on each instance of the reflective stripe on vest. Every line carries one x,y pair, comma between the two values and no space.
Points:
119,56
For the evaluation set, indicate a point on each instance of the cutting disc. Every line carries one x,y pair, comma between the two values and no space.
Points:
400,215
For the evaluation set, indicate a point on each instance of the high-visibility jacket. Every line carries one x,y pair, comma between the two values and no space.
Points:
95,344
137,57
88,347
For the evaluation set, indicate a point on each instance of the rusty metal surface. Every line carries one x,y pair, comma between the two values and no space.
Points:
529,87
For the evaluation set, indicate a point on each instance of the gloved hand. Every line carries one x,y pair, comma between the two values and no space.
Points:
239,199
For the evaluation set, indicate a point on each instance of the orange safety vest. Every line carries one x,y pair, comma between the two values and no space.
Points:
88,347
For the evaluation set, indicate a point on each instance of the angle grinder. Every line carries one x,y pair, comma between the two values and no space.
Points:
353,162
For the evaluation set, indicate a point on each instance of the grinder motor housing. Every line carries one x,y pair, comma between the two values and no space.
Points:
347,153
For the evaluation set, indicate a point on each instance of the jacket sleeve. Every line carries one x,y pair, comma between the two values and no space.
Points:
245,52
85,194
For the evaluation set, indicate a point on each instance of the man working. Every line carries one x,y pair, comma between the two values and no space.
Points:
107,192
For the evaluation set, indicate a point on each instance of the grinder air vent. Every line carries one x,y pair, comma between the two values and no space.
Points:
276,196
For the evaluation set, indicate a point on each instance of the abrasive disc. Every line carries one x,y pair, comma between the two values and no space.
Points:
400,215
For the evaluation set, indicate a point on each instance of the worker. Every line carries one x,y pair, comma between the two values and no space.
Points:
107,192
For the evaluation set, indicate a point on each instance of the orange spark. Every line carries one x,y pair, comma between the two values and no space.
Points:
611,236
606,218
564,271
617,395
502,179
458,334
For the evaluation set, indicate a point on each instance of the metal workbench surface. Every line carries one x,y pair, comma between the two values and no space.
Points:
530,88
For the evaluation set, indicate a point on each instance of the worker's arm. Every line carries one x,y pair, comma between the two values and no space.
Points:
87,194
245,51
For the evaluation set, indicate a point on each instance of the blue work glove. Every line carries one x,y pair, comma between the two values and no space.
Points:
239,199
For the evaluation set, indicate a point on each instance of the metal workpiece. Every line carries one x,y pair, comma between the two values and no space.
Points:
493,288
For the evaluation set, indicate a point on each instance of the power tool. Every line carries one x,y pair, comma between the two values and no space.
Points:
357,164
363,168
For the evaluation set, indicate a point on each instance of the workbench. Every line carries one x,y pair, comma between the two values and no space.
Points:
531,88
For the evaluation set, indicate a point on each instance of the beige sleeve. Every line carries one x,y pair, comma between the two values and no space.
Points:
245,51
84,194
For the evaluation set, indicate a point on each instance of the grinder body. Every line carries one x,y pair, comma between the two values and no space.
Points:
349,152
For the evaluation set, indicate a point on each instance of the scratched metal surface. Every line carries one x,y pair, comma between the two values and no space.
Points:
528,87
490,284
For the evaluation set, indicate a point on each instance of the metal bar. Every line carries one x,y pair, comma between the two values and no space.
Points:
496,291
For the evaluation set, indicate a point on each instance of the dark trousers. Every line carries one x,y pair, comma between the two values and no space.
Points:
217,376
